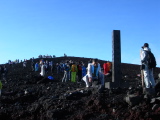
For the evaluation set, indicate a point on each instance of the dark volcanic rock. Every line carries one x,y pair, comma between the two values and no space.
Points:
28,96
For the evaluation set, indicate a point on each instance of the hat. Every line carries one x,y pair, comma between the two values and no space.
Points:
145,45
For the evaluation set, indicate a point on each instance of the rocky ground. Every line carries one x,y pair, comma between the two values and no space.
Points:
28,96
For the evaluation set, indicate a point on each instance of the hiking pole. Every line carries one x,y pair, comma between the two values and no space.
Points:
142,76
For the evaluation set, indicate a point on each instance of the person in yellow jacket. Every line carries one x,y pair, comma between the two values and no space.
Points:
74,70
0,87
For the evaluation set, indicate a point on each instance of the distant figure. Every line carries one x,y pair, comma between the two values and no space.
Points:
51,66
79,73
58,68
105,68
42,69
32,65
70,65
54,56
65,55
24,64
73,72
148,73
84,70
46,66
36,66
66,74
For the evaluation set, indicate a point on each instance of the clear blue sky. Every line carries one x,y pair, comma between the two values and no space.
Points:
81,28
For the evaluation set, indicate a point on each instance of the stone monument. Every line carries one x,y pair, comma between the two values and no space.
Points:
116,61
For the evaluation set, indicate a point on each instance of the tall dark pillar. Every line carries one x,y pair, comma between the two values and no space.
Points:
116,57
116,62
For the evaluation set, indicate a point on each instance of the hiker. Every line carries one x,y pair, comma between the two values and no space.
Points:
51,66
42,73
84,70
109,73
46,66
79,73
94,74
36,66
148,72
32,65
66,74
0,87
73,72
109,64
70,65
24,64
58,68
105,68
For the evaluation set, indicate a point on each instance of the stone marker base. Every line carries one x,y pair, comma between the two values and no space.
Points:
111,85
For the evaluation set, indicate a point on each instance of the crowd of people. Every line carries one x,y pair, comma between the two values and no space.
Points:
78,71
74,71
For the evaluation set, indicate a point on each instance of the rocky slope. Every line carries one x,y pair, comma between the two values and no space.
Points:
28,96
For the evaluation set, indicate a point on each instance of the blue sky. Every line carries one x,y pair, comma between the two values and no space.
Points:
81,28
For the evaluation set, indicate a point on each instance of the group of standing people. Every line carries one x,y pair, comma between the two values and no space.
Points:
73,71
90,73
95,74
44,67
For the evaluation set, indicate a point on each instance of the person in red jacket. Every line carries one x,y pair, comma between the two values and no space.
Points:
105,67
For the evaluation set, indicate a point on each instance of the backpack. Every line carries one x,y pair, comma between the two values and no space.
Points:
151,61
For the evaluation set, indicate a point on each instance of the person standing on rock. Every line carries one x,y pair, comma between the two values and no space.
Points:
42,73
147,72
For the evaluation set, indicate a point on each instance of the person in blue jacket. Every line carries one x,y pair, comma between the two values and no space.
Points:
84,70
66,74
36,66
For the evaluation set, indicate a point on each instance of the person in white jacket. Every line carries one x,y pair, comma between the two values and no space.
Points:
93,73
148,73
42,73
